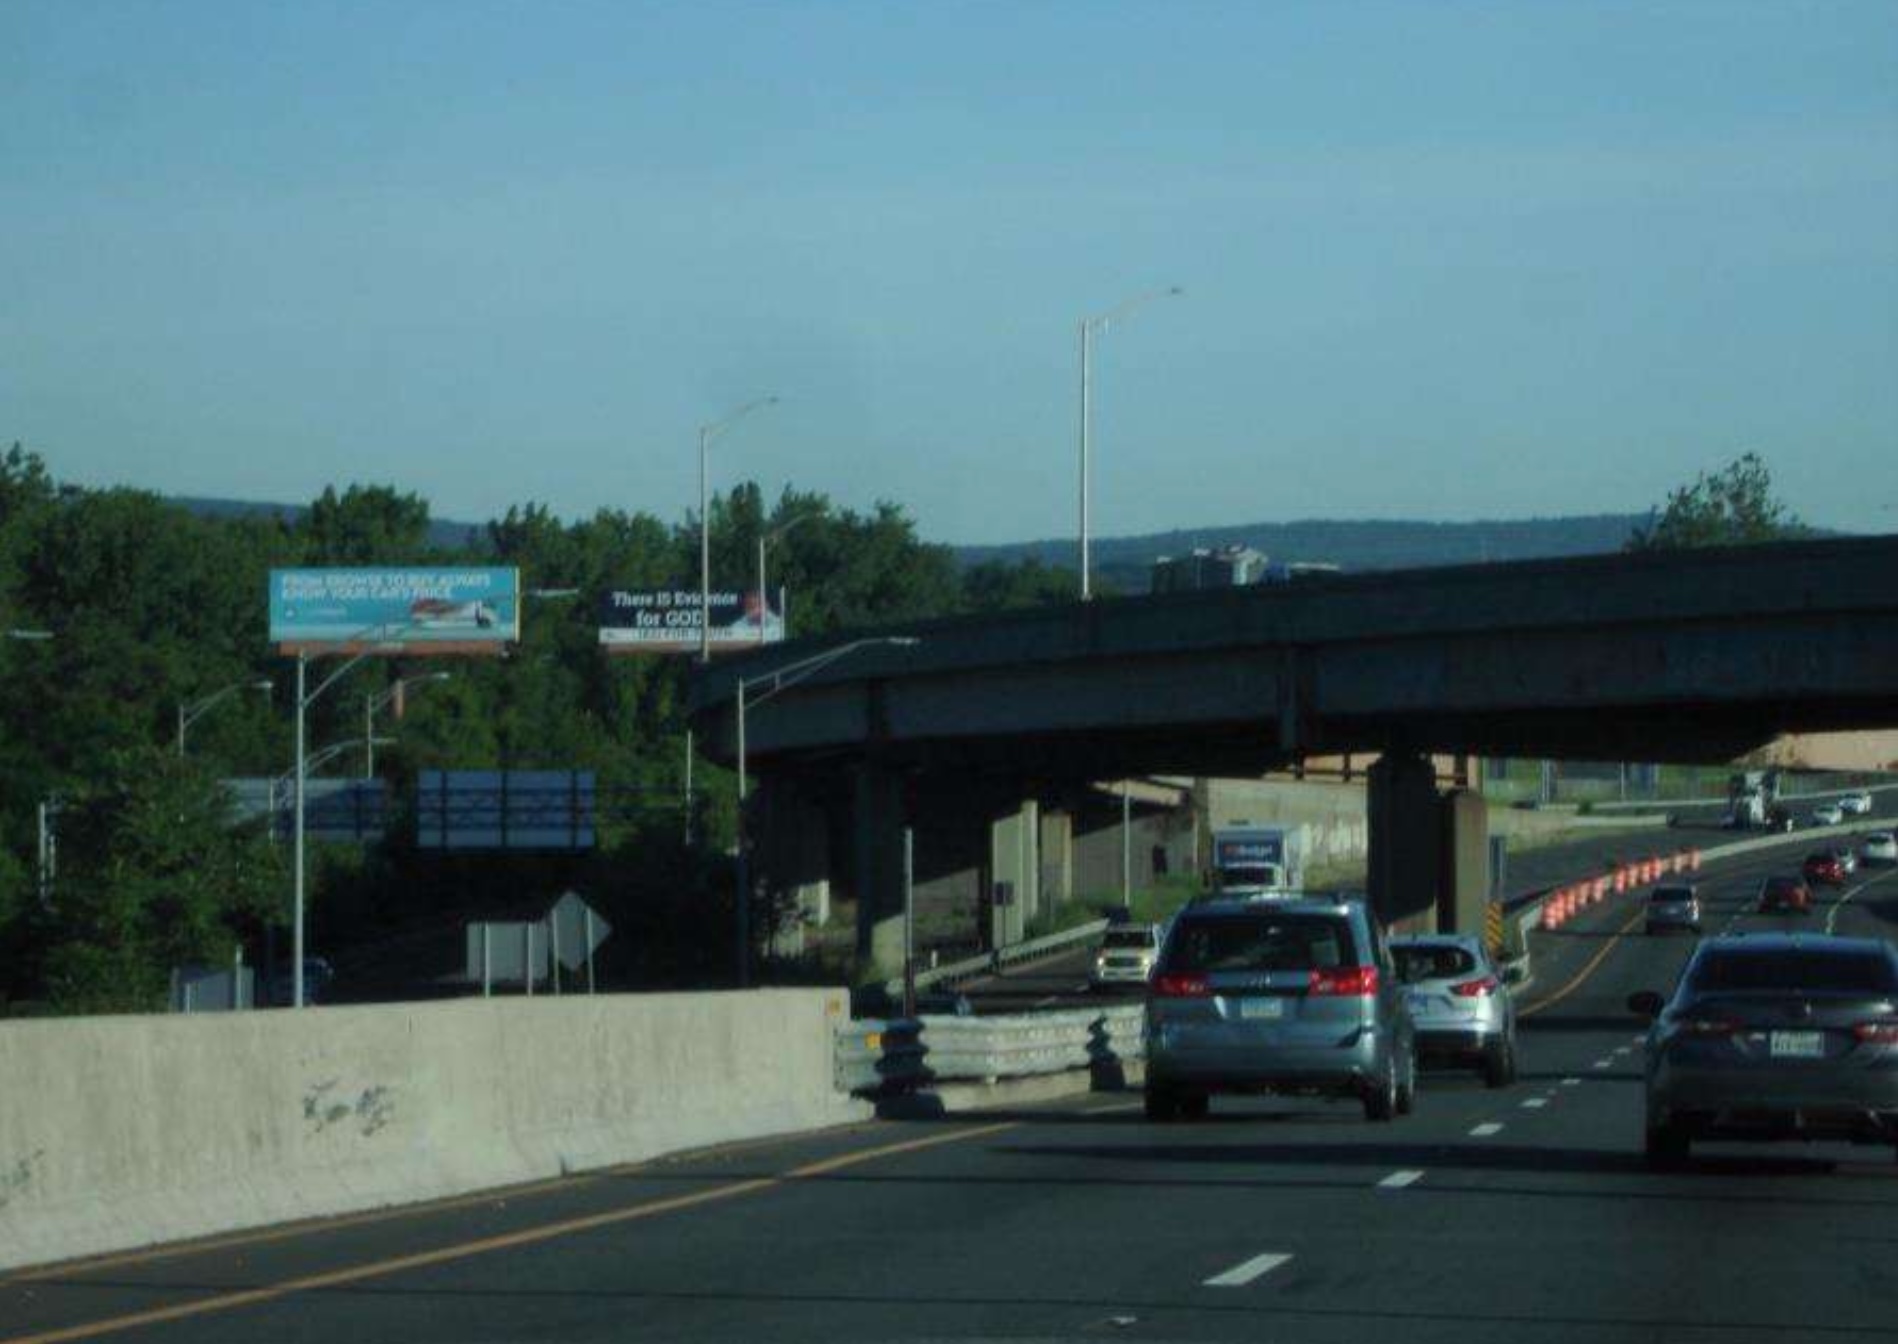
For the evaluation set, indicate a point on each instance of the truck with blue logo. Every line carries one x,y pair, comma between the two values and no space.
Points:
1257,861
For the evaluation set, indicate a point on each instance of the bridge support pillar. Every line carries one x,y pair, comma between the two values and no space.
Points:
1429,853
876,833
1405,842
1015,872
1463,888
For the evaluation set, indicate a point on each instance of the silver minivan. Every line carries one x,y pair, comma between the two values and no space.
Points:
1286,996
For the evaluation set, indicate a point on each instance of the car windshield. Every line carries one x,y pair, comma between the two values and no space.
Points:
1781,970
1127,938
1261,942
1670,895
1428,961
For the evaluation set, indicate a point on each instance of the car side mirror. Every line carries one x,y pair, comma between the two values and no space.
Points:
1646,1004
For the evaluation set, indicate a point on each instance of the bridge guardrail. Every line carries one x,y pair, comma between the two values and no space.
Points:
884,1055
1014,954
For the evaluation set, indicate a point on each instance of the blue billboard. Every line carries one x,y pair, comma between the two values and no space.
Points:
413,610
543,810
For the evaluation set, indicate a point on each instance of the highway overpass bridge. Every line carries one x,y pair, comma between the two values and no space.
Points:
1675,656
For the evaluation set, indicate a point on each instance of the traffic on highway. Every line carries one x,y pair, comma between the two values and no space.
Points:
1681,1111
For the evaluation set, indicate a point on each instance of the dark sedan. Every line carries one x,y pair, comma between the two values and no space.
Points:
1823,869
1774,1036
1785,896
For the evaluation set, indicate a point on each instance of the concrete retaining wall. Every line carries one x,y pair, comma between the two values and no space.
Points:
124,1131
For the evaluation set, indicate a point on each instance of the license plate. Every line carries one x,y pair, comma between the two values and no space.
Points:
1261,1009
1797,1045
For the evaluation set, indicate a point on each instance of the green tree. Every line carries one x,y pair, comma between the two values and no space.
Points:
1731,507
999,585
366,525
153,875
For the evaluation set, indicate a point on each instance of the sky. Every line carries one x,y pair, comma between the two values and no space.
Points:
1439,260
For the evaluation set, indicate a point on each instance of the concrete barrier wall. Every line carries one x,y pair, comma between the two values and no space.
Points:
124,1131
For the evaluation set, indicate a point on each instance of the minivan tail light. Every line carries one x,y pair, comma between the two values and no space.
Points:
1476,989
1344,981
1175,986
1879,1033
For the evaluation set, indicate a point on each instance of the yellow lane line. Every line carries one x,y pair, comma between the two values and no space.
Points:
312,1227
527,1236
1581,977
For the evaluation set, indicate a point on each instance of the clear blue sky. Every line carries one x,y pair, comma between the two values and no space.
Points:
1441,260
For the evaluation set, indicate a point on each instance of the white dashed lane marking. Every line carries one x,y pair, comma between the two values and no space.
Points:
1245,1272
1397,1180
1484,1131
1535,1103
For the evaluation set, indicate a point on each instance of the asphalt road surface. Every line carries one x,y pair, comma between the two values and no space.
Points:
1520,1215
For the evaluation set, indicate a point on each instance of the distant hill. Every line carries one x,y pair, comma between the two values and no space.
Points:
442,532
1355,544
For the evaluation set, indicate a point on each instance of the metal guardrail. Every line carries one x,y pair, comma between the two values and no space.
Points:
900,1054
1015,954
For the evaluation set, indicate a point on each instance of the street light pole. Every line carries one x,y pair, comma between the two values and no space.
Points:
1091,327
370,637
764,599
373,701
707,433
189,714
780,679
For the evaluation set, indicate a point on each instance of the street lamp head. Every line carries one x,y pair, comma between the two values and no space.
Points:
439,676
265,685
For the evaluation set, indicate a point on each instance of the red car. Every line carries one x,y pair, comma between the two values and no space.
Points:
1824,868
1785,896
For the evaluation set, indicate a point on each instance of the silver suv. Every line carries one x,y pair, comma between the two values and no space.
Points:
1289,996
1461,1008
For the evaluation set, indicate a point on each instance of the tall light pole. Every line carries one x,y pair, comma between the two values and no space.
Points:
777,680
1090,328
189,714
374,639
708,433
764,593
375,701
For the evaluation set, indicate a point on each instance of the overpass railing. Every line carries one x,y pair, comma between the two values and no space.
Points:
1014,954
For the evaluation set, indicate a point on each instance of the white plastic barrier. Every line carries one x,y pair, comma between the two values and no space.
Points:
124,1131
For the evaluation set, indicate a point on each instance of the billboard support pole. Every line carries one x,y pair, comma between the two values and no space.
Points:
296,852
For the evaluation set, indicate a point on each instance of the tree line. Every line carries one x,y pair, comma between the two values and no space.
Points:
151,606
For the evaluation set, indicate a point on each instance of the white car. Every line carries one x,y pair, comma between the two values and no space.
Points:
1126,956
1856,804
1827,814
1879,847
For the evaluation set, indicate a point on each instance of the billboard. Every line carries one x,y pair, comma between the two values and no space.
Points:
407,610
666,620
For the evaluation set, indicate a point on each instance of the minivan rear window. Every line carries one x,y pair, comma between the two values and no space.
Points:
1739,970
1262,941
1670,895
1441,962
